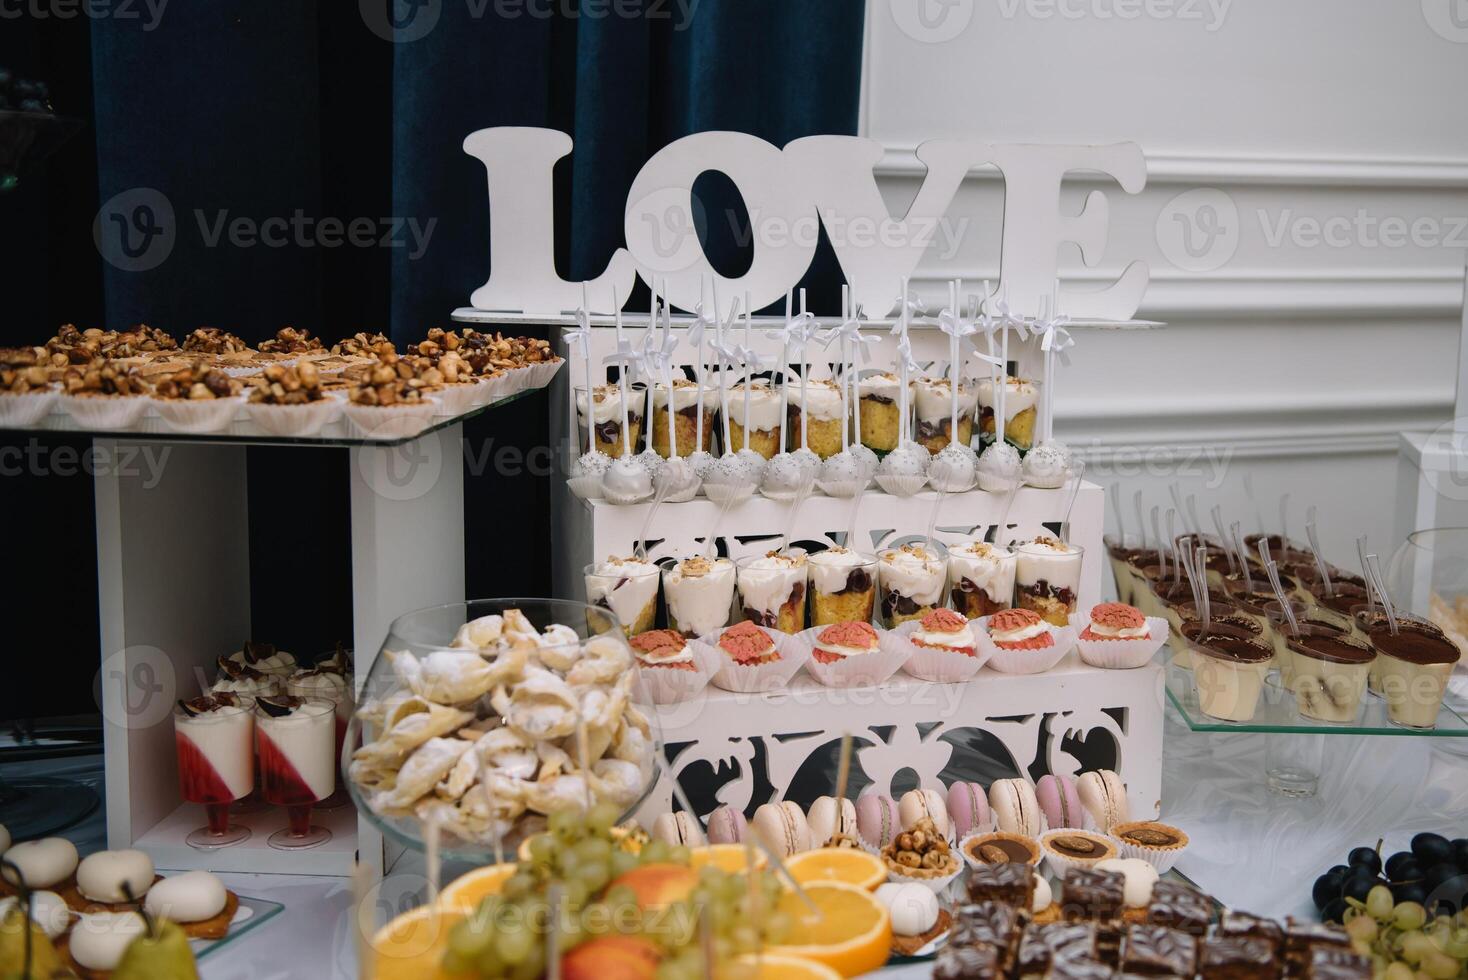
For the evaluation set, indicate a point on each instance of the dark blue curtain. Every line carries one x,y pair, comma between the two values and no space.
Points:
257,109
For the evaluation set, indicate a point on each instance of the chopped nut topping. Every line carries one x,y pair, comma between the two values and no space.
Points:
195,382
289,340
281,385
213,340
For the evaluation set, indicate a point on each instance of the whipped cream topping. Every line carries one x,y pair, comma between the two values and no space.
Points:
880,385
1021,394
623,585
264,657
830,569
685,395
657,653
934,398
988,567
306,737
1120,633
607,403
914,570
1048,559
822,397
955,639
767,582
1023,633
699,593
764,407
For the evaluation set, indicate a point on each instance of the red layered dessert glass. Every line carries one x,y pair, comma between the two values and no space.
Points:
296,740
216,762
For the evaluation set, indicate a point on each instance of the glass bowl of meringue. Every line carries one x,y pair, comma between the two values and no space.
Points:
484,717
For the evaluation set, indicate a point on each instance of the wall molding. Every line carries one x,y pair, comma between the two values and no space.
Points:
900,161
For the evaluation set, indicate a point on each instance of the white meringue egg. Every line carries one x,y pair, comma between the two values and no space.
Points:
914,907
1047,466
1140,877
42,863
1044,896
48,910
99,939
190,897
102,876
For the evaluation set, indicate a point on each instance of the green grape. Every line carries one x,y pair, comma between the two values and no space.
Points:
594,850
1362,927
518,885
1439,965
1399,971
602,818
490,964
623,862
564,821
1409,916
1379,903
680,855
542,848
1457,944
525,971
655,853
1416,945
514,945
670,970
777,926
467,941
594,876
575,893
710,876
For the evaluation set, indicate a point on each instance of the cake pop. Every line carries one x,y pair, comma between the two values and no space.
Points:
999,466
904,470
588,470
727,480
751,459
783,477
678,477
843,474
626,481
587,473
1047,465
865,458
954,469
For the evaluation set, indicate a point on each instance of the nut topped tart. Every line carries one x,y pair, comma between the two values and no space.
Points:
1020,629
748,645
1001,847
214,340
279,384
921,852
102,379
1116,621
194,382
362,344
290,341
663,648
1151,835
944,629
852,639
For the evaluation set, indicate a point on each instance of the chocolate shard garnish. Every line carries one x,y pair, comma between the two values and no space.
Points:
192,708
226,699
279,707
256,652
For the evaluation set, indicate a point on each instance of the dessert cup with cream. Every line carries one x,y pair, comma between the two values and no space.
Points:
1279,634
1182,614
933,411
1336,607
1412,668
772,589
1021,398
1229,667
1122,556
843,586
606,421
760,420
1047,578
880,411
910,581
699,592
1365,620
628,587
1330,676
214,736
686,419
980,578
295,739
824,415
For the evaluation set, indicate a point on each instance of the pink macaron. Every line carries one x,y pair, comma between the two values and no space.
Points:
1060,802
727,826
968,809
877,820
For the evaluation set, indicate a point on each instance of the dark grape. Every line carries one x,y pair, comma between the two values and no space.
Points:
1410,892
1460,852
1439,875
1365,857
1334,912
1359,885
1327,889
1397,862
1432,849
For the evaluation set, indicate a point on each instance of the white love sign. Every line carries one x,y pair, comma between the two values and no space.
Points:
790,195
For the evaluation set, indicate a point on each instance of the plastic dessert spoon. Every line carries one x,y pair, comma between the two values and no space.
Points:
1272,571
640,551
1003,526
1373,574
1141,524
1161,542
1177,567
711,548
1370,591
1228,547
1238,536
1315,551
1113,496
1201,578
800,496
1077,469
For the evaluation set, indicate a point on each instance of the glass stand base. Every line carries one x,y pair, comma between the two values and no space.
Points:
286,841
205,840
1292,764
39,806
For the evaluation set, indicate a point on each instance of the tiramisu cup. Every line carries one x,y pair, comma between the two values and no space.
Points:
843,586
1180,615
760,421
628,587
1330,676
1047,578
1365,621
772,590
685,417
1124,571
1279,634
980,578
1229,670
1336,607
1020,400
822,399
699,593
933,410
1413,666
910,581
606,401
880,411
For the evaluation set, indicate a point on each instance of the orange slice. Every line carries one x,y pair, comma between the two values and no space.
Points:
852,935
771,967
838,864
726,857
411,947
468,890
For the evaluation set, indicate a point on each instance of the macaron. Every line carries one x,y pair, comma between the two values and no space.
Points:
829,818
1059,802
968,809
727,826
918,804
1104,797
782,828
876,819
1015,808
679,829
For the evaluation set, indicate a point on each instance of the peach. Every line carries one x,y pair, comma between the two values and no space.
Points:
611,958
657,885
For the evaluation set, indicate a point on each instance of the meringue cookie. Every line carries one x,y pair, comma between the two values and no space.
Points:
914,907
190,897
114,877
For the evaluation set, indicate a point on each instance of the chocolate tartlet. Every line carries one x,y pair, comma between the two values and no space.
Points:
1077,847
1001,848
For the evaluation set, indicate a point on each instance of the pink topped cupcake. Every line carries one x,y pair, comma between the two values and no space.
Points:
1116,621
944,629
1020,629
748,645
850,639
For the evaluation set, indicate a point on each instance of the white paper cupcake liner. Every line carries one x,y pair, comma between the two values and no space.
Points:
901,486
1162,860
973,864
457,399
533,376
23,411
198,416
866,670
391,421
669,685
243,371
842,488
721,492
773,676
939,666
586,487
105,411
1119,654
937,885
1059,866
294,421
1025,661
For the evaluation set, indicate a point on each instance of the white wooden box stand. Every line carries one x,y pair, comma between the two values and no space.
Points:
173,566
